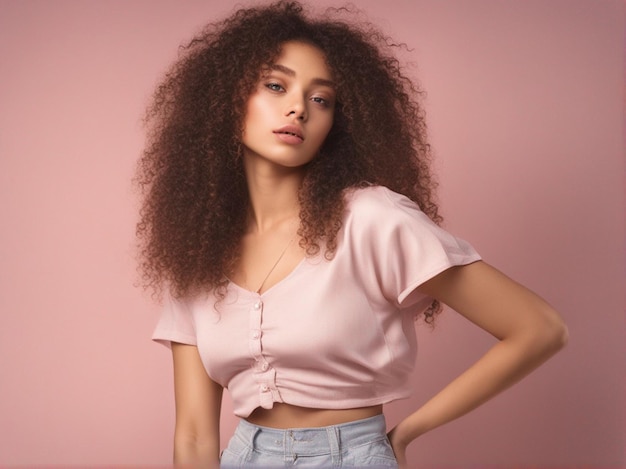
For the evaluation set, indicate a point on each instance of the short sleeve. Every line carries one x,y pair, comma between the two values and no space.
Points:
405,247
175,324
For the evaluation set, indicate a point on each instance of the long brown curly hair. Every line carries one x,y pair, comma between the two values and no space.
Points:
191,172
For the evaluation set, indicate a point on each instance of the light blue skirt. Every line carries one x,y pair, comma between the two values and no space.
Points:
362,443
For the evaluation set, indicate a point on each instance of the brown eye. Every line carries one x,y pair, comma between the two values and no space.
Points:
321,101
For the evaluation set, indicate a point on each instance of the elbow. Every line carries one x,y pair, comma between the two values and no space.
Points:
553,335
191,450
543,336
559,337
562,337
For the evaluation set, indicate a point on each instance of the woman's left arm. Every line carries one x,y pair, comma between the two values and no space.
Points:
528,329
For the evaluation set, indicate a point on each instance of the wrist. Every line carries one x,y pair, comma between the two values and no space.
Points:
398,437
409,429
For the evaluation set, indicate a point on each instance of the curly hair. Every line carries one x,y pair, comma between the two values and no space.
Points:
191,172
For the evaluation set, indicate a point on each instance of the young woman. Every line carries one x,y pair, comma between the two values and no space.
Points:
289,216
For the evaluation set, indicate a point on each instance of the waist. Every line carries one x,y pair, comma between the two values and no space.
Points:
316,440
286,416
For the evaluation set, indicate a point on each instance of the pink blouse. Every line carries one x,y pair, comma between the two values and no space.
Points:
333,334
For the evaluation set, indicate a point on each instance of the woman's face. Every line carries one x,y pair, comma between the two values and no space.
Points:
290,113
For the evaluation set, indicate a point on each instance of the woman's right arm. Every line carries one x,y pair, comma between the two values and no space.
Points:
198,404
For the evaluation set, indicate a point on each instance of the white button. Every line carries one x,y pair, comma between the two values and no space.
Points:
264,388
256,334
257,305
265,366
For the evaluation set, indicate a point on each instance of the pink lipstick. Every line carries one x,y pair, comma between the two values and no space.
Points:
290,134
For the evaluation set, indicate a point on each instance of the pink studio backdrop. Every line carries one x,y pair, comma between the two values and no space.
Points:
525,114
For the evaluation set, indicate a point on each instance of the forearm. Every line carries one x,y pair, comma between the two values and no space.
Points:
503,365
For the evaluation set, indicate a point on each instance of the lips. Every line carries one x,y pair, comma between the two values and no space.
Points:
290,133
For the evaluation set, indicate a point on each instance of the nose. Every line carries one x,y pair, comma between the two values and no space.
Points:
297,109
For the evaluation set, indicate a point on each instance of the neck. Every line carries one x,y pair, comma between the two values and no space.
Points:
273,194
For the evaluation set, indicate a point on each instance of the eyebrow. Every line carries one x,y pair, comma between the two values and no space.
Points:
291,73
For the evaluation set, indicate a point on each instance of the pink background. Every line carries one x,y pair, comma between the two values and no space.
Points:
524,103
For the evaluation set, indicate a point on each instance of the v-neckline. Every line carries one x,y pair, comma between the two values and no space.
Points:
274,285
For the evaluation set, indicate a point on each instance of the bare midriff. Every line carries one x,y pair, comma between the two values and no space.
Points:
289,416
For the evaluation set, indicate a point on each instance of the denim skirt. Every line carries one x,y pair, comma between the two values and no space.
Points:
361,443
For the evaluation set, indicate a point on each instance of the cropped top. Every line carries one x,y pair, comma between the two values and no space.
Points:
333,334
